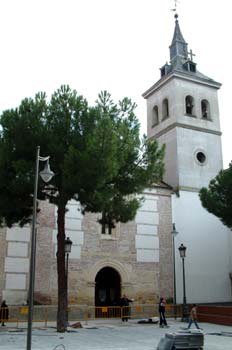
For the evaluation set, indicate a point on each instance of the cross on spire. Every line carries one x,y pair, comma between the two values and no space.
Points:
191,54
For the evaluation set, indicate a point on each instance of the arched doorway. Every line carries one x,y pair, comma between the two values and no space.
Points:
107,287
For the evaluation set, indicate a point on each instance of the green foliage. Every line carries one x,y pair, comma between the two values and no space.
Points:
95,152
217,198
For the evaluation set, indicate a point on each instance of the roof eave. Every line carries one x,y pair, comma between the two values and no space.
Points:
180,75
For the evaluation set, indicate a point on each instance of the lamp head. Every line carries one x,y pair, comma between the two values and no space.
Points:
182,250
68,245
47,174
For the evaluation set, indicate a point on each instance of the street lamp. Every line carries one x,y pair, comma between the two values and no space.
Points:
46,175
174,233
182,250
68,247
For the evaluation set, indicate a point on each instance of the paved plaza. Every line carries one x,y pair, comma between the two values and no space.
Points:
109,335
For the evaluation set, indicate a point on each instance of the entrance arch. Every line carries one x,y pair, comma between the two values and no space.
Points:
107,287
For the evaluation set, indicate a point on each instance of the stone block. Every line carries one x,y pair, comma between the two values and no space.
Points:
16,233
14,297
16,264
149,205
17,249
144,217
147,229
149,242
147,255
15,281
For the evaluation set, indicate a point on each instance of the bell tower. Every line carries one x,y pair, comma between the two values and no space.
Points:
183,114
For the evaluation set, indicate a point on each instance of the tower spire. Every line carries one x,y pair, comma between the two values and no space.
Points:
180,58
178,47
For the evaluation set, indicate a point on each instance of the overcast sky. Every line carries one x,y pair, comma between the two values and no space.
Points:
114,45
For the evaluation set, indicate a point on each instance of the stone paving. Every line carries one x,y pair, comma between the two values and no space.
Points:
109,335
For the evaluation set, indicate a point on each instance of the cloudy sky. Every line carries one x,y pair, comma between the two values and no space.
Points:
114,45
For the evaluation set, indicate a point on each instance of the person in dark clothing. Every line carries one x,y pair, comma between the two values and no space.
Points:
4,312
163,321
125,308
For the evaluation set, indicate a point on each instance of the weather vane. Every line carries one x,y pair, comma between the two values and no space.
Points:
175,2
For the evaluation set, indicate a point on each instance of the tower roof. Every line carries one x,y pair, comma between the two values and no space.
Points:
181,63
178,47
181,60
177,32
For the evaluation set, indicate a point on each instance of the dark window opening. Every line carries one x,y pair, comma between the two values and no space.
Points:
165,108
107,224
155,116
192,67
189,105
205,109
201,157
162,71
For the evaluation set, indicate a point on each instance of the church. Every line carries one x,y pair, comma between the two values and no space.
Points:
141,258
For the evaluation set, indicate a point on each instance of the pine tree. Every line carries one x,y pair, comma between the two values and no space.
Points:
217,198
95,152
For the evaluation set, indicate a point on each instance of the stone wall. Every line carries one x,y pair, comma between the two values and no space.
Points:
140,252
166,260
45,254
144,276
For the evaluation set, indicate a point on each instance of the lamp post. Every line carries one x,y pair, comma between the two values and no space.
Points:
46,175
68,247
182,250
174,233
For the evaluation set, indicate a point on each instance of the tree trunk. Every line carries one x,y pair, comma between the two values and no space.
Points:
62,282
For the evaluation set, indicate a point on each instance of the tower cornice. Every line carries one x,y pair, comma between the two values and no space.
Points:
198,79
184,126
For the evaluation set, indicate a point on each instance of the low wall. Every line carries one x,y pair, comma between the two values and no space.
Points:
215,314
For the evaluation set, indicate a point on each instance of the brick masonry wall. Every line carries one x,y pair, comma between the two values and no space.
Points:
144,281
215,314
142,276
45,255
166,261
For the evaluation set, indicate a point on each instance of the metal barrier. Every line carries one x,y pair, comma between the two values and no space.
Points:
47,313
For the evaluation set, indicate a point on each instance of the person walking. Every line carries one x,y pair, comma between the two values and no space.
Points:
125,308
163,322
193,317
4,312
